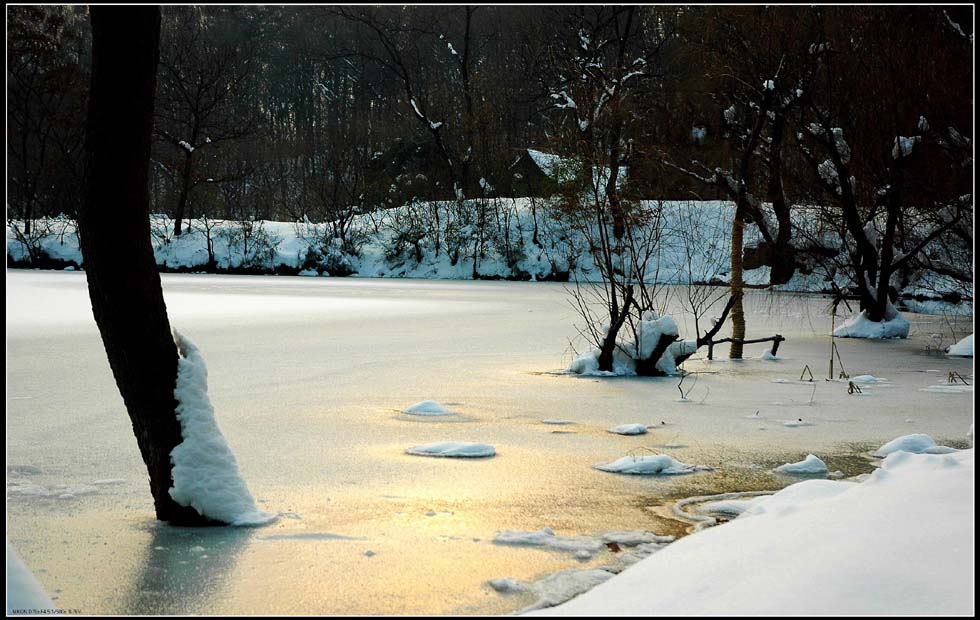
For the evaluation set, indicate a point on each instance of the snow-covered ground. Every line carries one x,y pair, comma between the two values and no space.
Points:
308,378
693,246
899,543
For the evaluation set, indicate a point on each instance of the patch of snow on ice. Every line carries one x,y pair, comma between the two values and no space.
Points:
768,356
454,449
917,443
629,429
547,538
810,465
797,422
650,465
205,473
427,407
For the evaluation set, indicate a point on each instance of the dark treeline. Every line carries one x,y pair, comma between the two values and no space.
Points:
322,113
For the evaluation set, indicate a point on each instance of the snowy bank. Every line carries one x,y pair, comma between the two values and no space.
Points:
205,472
963,348
24,591
899,543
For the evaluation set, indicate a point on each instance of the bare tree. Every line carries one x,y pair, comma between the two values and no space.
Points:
123,281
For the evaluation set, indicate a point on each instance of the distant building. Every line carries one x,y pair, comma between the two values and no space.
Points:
541,174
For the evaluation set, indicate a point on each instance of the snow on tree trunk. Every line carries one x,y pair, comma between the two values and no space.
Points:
205,473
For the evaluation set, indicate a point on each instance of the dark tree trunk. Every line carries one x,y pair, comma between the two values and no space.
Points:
648,367
185,183
782,256
123,281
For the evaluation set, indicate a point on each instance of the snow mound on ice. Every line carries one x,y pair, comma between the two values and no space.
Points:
24,592
650,465
426,407
629,429
205,473
455,449
587,364
768,356
963,348
809,465
917,443
860,326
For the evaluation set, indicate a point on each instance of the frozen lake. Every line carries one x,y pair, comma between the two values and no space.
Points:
308,377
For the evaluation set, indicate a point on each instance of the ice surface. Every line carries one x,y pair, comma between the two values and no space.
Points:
458,449
810,465
301,387
205,471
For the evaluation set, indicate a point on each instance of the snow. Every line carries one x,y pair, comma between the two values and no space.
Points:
650,465
557,421
917,443
629,429
556,588
810,465
547,538
427,407
560,169
963,348
797,423
453,449
860,326
875,556
291,246
768,356
24,591
205,472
